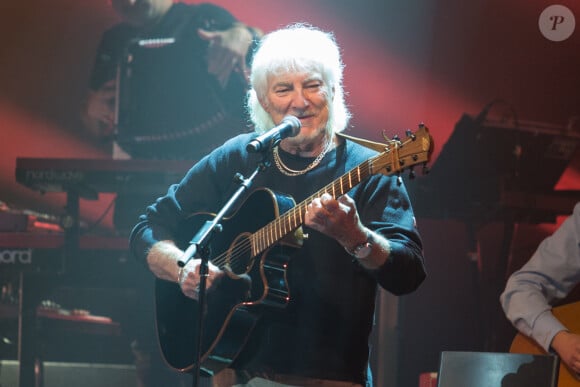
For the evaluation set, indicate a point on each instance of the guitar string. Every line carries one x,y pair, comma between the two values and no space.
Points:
295,212
331,188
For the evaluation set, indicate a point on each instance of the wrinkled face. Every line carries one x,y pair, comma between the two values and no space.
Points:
141,12
304,95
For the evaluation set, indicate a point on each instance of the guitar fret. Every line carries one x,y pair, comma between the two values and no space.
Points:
300,212
291,220
288,223
281,228
272,234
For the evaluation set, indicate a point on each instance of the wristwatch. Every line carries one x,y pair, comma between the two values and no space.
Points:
363,250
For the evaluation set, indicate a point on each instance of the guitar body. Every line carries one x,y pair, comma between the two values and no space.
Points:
569,315
234,304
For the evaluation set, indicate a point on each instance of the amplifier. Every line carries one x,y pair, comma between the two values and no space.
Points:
484,369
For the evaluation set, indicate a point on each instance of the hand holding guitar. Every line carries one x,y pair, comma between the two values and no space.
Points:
339,219
162,260
567,344
189,278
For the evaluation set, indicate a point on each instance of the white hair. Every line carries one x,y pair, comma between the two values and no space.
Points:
298,48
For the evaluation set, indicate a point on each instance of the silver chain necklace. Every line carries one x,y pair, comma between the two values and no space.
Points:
292,172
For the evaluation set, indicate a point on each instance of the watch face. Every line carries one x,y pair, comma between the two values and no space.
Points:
363,251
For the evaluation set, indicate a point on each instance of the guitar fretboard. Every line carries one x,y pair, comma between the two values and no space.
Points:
294,218
392,158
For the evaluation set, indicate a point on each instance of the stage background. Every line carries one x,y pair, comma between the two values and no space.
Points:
406,62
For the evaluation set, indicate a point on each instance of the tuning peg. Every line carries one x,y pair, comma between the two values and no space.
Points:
410,134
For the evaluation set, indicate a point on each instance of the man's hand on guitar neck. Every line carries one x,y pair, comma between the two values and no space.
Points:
339,219
162,260
567,345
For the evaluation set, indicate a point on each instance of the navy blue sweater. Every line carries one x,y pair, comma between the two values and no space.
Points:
324,330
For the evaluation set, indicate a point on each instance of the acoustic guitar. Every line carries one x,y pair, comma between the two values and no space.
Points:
260,254
569,315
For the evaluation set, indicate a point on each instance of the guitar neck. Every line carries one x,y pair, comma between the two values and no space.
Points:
287,223
394,157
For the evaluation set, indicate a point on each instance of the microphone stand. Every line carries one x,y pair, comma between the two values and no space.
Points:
199,248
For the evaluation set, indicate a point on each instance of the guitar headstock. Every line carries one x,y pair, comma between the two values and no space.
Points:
404,154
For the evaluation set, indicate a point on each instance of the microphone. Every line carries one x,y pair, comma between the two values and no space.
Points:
289,127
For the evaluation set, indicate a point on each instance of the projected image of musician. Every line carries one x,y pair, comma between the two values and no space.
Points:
293,272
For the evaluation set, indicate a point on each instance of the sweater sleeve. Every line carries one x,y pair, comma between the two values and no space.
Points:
385,208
